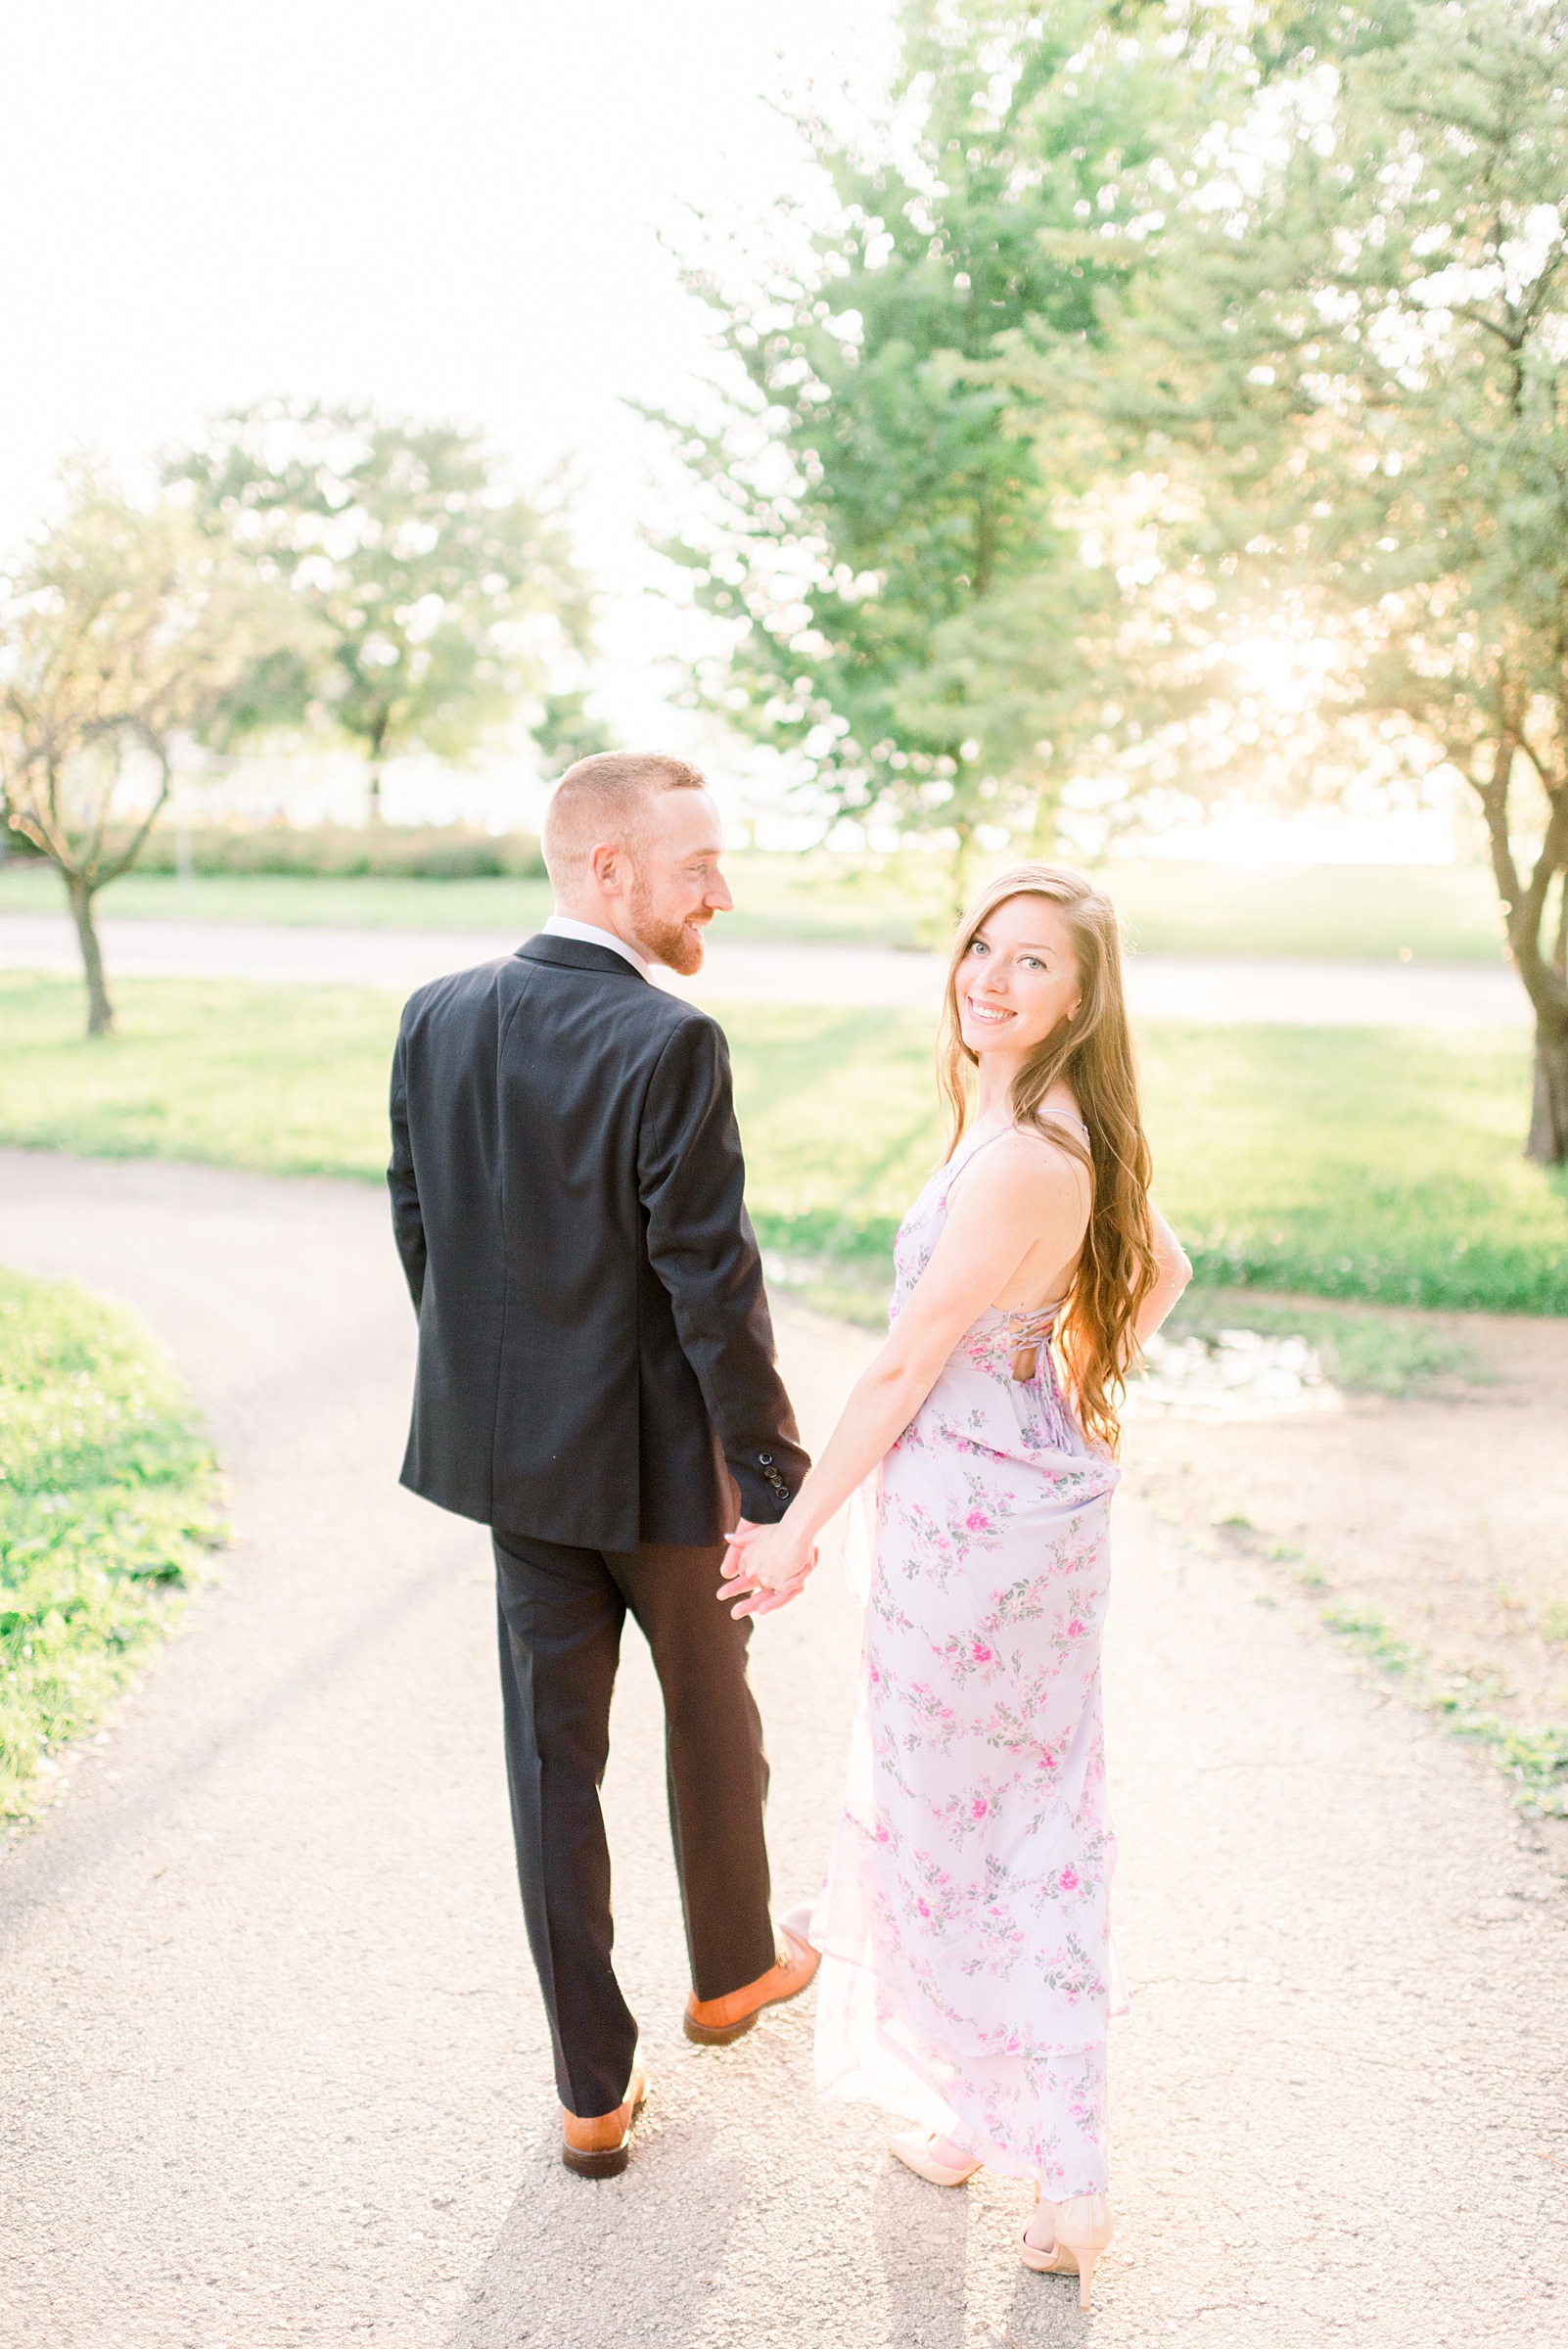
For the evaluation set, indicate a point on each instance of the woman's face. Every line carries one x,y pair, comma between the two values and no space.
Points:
1018,978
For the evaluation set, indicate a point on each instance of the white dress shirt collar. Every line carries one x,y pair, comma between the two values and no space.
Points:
564,925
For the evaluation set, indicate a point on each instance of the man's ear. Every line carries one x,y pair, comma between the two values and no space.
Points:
607,863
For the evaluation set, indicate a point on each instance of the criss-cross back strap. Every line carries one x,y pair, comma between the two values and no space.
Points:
1029,1328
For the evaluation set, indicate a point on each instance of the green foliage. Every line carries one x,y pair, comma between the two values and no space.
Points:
1350,368
414,852
568,731
439,598
108,1503
1348,1163
916,622
121,628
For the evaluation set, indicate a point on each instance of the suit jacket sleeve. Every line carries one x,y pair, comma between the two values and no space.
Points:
692,1178
408,1225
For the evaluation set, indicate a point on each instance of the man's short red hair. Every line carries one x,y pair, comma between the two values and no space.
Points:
603,799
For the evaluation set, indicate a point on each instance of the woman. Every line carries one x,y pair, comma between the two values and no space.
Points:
967,1966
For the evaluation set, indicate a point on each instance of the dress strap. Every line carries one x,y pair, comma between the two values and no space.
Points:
1064,1117
963,1158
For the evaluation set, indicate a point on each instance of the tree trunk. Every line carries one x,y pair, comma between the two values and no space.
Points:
1525,906
1548,1144
959,869
100,1010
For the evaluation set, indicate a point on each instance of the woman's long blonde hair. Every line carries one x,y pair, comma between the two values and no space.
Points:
1096,1333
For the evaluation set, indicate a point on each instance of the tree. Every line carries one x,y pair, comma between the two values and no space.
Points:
900,551
1356,350
441,597
121,629
567,730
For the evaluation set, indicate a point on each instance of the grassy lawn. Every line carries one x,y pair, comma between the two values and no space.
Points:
290,1079
1440,913
108,1501
1344,1163
297,901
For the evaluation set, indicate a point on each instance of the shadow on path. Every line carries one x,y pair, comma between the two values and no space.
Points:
619,2269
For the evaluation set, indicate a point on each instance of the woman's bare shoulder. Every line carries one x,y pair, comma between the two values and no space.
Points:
1024,1166
1057,1140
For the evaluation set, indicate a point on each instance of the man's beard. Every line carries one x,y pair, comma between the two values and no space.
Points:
677,945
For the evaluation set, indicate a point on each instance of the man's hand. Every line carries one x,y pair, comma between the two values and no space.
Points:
754,1601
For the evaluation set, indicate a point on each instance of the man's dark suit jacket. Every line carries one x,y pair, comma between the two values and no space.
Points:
594,1342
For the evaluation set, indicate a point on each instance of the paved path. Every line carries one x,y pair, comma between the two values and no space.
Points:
1163,986
273,2071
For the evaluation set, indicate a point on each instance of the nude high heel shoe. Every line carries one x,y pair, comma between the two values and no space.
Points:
1084,2228
930,2157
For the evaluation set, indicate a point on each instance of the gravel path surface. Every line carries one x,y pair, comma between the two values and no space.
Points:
273,2068
1163,987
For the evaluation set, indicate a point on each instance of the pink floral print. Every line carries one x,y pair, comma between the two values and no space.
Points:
964,1920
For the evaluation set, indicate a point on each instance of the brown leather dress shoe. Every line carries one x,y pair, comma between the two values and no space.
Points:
715,2022
601,2148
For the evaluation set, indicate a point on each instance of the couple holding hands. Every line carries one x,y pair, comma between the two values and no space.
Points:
598,1385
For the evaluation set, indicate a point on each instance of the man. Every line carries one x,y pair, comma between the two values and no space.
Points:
596,1382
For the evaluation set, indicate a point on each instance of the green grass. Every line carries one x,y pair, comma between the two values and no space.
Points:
108,1501
1358,1163
372,902
1344,1163
777,898
1536,1761
1439,913
290,1079
1443,914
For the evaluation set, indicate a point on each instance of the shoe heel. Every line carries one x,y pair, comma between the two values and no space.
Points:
716,2035
1084,2226
608,2164
1086,2274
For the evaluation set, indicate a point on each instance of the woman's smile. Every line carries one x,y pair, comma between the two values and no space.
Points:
994,1014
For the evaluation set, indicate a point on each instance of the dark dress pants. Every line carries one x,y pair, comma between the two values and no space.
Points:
561,1615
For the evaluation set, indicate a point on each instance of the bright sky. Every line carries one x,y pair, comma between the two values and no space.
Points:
451,210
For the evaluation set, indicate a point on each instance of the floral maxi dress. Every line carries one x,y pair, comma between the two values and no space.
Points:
967,1970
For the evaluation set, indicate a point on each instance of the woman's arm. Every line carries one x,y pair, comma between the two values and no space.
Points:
1014,1197
1174,1275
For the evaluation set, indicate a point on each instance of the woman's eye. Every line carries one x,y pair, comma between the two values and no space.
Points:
978,946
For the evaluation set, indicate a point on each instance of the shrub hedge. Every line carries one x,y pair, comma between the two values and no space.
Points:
413,851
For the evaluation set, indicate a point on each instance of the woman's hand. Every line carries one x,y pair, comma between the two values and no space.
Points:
768,1566
1172,1272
